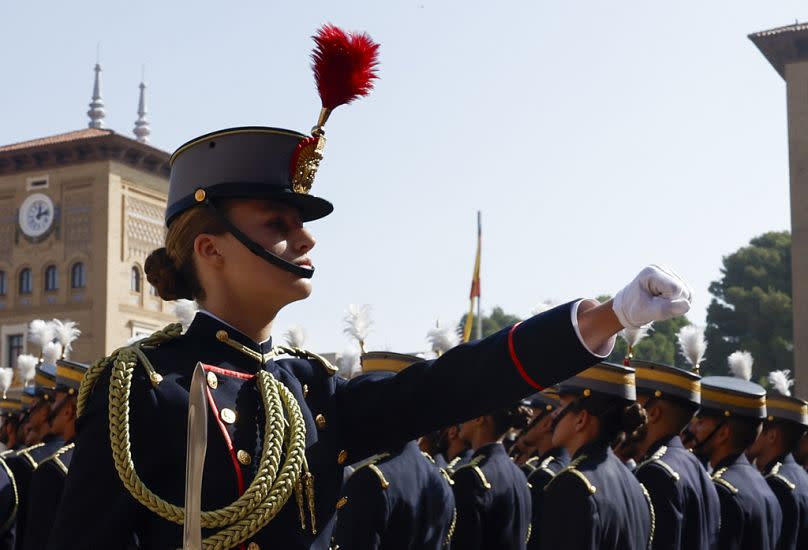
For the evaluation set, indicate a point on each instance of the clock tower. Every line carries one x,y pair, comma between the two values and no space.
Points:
79,213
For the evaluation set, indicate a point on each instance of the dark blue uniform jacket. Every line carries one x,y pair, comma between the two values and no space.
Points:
789,482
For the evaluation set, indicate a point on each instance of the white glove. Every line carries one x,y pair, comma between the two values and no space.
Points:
656,294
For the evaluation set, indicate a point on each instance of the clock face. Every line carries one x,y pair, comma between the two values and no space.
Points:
36,215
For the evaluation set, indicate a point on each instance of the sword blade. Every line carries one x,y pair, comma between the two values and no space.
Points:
196,446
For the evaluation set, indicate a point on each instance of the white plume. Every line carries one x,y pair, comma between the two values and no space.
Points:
6,375
40,332
185,310
632,336
544,306
27,365
692,343
66,332
348,364
358,323
780,381
740,364
51,351
135,339
295,337
442,339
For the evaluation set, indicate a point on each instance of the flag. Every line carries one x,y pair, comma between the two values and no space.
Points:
475,285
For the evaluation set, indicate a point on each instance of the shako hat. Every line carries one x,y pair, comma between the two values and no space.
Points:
780,404
546,400
666,381
387,361
734,395
605,379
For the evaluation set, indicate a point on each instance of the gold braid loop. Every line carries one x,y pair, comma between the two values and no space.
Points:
265,496
305,354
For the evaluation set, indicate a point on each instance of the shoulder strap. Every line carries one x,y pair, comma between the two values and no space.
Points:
371,465
572,468
26,454
474,465
656,458
12,517
723,482
775,474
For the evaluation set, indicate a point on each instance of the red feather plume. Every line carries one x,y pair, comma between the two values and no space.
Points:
344,65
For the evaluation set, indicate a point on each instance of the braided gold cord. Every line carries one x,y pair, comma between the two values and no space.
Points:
266,494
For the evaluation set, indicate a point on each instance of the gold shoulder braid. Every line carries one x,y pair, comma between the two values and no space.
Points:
653,514
268,492
12,517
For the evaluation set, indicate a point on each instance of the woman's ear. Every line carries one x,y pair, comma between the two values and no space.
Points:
206,249
582,420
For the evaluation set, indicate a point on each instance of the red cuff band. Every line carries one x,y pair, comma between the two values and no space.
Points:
522,372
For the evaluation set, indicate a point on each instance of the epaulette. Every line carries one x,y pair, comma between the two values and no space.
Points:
12,517
652,512
545,465
443,471
656,458
474,465
25,453
7,452
775,474
532,462
58,461
371,465
723,482
572,469
451,466
428,457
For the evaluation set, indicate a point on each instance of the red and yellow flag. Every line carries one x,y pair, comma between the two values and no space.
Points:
475,284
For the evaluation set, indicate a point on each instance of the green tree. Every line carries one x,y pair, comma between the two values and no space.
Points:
660,346
751,307
492,323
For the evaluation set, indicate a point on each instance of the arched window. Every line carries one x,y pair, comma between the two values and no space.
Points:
77,277
3,283
152,291
26,281
134,279
51,278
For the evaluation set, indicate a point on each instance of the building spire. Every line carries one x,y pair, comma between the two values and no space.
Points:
97,112
142,129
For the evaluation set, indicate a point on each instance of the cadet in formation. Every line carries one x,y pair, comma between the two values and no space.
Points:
491,494
596,502
400,499
785,424
551,458
728,422
236,242
11,407
685,500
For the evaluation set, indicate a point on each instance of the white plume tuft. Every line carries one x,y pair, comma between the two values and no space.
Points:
544,306
740,364
442,339
358,323
135,339
632,336
40,332
295,337
693,345
780,381
51,351
348,364
185,310
66,332
27,365
6,376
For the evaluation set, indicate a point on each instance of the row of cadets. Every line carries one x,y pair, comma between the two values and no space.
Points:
47,481
596,502
11,409
491,492
785,425
398,499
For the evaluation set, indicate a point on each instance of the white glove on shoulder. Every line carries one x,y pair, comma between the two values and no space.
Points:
656,294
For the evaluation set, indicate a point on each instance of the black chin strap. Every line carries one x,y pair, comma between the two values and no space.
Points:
700,444
258,250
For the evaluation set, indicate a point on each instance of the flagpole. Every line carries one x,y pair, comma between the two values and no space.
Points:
479,250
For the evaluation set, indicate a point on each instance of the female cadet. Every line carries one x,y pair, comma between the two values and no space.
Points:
596,502
491,492
281,430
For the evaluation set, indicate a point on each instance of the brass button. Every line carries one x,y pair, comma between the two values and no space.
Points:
199,195
222,336
228,415
244,457
342,502
657,393
320,421
213,382
342,456
253,546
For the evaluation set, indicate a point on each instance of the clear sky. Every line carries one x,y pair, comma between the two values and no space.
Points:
594,136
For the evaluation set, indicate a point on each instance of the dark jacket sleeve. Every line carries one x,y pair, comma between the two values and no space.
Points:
791,513
93,491
537,481
467,381
730,536
362,520
44,493
470,502
569,518
667,503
